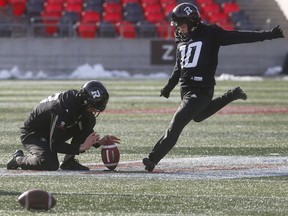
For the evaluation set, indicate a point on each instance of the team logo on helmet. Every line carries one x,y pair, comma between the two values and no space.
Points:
188,10
96,94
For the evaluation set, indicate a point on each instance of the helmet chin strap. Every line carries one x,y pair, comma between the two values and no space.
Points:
192,26
96,113
91,109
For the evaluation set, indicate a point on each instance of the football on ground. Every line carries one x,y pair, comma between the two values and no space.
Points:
36,199
110,156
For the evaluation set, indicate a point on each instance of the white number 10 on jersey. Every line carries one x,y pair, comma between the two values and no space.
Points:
190,54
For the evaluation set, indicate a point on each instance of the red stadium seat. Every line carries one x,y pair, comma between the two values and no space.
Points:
55,1
217,17
149,2
167,8
18,7
53,7
165,30
112,7
53,15
126,29
168,2
50,21
3,3
199,2
151,8
86,30
154,17
229,7
90,17
73,8
112,17
74,1
210,8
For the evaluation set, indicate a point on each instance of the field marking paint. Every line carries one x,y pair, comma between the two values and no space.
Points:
225,111
209,167
196,196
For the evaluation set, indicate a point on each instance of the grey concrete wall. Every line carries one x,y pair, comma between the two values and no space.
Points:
253,58
64,55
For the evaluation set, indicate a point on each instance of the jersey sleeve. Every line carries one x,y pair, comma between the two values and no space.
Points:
237,37
175,75
87,124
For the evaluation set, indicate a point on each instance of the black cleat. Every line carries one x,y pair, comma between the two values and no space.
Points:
12,163
238,93
72,164
149,165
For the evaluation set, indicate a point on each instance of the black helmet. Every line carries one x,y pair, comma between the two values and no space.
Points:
185,13
95,94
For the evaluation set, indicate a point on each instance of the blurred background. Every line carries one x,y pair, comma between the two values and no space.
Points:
57,37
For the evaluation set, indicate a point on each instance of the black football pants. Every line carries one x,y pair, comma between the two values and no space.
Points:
40,156
197,105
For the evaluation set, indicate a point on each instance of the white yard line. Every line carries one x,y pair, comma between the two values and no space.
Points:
210,167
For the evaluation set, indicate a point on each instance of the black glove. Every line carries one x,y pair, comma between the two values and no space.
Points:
165,93
276,32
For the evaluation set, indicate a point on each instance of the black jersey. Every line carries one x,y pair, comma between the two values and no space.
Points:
197,56
59,118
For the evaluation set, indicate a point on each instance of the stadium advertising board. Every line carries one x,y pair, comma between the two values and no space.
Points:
162,52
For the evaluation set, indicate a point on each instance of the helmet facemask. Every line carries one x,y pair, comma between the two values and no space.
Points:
95,107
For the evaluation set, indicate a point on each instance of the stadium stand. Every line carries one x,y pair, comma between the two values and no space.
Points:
164,30
18,7
68,19
86,31
5,29
34,8
107,29
262,14
126,29
91,18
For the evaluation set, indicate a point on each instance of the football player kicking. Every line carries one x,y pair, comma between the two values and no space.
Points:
196,62
57,119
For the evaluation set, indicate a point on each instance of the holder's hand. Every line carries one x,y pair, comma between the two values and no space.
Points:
109,139
90,140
